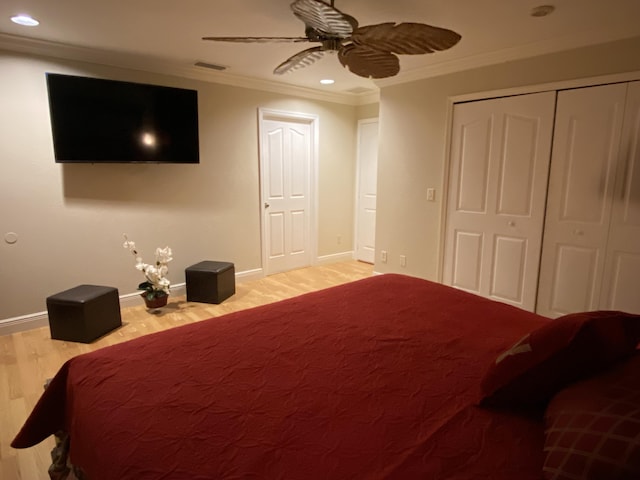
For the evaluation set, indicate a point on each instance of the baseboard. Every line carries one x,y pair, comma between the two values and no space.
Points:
334,258
26,322
41,319
248,275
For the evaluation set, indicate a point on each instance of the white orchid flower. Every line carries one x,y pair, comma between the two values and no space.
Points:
142,266
163,255
129,245
156,275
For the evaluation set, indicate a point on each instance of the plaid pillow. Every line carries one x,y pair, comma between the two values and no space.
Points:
592,428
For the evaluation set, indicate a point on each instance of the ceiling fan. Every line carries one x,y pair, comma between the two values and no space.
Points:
368,51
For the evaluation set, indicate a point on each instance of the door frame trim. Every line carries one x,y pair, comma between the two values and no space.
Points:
313,121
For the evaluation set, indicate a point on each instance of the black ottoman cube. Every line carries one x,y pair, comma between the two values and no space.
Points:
83,313
210,282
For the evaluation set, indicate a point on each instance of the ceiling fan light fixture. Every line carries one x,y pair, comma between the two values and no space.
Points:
25,20
327,81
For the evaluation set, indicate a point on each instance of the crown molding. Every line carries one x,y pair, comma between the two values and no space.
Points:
63,51
166,67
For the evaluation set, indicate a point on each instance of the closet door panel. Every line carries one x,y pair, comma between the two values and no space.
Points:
500,152
517,165
622,269
508,272
589,155
574,278
582,177
622,293
473,170
467,263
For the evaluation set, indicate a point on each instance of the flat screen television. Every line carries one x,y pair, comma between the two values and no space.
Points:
107,121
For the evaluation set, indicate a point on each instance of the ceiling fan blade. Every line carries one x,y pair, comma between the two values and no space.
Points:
324,18
258,39
405,38
300,60
369,62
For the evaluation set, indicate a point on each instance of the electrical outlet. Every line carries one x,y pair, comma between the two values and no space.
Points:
403,260
383,256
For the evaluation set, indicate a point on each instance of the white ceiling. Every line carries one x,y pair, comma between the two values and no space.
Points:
169,32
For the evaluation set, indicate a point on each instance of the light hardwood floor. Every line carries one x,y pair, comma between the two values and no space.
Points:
28,358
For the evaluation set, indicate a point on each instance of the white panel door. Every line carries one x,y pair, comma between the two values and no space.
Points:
621,284
583,170
500,152
286,155
367,190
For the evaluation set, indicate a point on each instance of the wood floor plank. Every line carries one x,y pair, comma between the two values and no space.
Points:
28,358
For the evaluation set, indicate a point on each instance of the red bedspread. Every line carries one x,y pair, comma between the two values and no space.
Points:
374,379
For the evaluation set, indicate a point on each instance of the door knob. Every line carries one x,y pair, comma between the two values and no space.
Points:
266,205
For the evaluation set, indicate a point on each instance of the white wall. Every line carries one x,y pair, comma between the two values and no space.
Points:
70,218
413,127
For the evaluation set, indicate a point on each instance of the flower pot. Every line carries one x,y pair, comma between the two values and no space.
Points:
155,302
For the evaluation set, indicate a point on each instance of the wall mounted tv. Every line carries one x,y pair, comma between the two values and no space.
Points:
106,121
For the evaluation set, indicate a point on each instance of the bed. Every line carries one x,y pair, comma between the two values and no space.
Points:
390,377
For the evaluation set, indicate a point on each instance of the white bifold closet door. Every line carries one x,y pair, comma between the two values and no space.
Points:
500,153
591,250
621,285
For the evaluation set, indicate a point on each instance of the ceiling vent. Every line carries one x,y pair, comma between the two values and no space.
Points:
210,66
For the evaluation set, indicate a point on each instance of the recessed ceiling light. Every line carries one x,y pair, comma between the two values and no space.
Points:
542,10
327,81
25,20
